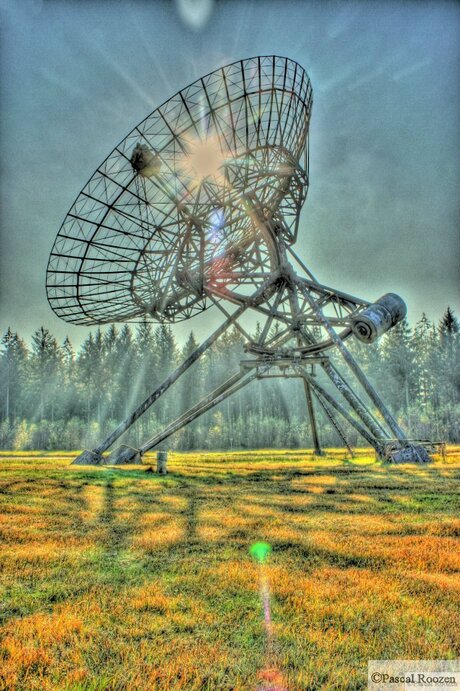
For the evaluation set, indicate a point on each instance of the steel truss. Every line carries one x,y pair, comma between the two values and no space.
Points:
287,347
199,206
151,226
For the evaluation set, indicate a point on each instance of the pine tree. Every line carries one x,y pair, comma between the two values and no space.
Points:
45,366
90,368
424,344
12,374
146,356
449,325
448,373
166,349
417,374
399,385
68,353
67,393
190,391
111,367
146,364
167,354
126,379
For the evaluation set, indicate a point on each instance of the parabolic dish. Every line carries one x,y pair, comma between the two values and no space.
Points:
176,207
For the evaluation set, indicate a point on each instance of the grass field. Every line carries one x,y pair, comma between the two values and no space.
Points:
117,578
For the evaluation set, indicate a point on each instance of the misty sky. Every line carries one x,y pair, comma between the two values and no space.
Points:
382,212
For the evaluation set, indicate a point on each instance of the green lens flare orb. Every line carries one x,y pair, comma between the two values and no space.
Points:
260,551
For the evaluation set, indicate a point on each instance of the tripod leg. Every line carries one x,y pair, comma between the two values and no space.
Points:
351,362
295,311
353,400
358,406
334,422
95,456
228,388
312,416
375,443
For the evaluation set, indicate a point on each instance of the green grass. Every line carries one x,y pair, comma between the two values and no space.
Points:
117,578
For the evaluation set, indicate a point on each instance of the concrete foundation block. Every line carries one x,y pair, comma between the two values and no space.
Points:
414,453
88,458
162,459
124,454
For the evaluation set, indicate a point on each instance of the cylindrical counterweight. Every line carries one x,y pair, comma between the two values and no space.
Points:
376,319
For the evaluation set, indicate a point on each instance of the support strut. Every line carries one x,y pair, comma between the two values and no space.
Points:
328,412
343,412
95,456
312,416
351,362
125,454
227,389
353,400
295,309
290,350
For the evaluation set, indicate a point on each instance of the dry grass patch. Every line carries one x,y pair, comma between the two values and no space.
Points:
114,578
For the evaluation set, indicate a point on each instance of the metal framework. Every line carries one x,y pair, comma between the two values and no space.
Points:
198,206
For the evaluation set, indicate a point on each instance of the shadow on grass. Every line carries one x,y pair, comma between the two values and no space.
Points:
111,558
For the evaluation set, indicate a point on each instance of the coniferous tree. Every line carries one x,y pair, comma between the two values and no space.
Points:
127,380
448,375
426,348
399,385
449,326
13,361
111,366
146,357
424,343
67,393
45,369
167,355
147,367
190,392
52,398
87,365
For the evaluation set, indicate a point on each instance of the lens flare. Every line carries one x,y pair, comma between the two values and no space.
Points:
260,551
195,13
216,226
270,676
203,159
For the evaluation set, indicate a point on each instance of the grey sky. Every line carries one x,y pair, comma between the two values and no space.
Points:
382,212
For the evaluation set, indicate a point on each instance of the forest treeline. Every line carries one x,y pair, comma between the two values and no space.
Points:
52,397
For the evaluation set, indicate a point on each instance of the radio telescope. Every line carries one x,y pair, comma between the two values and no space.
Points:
199,206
